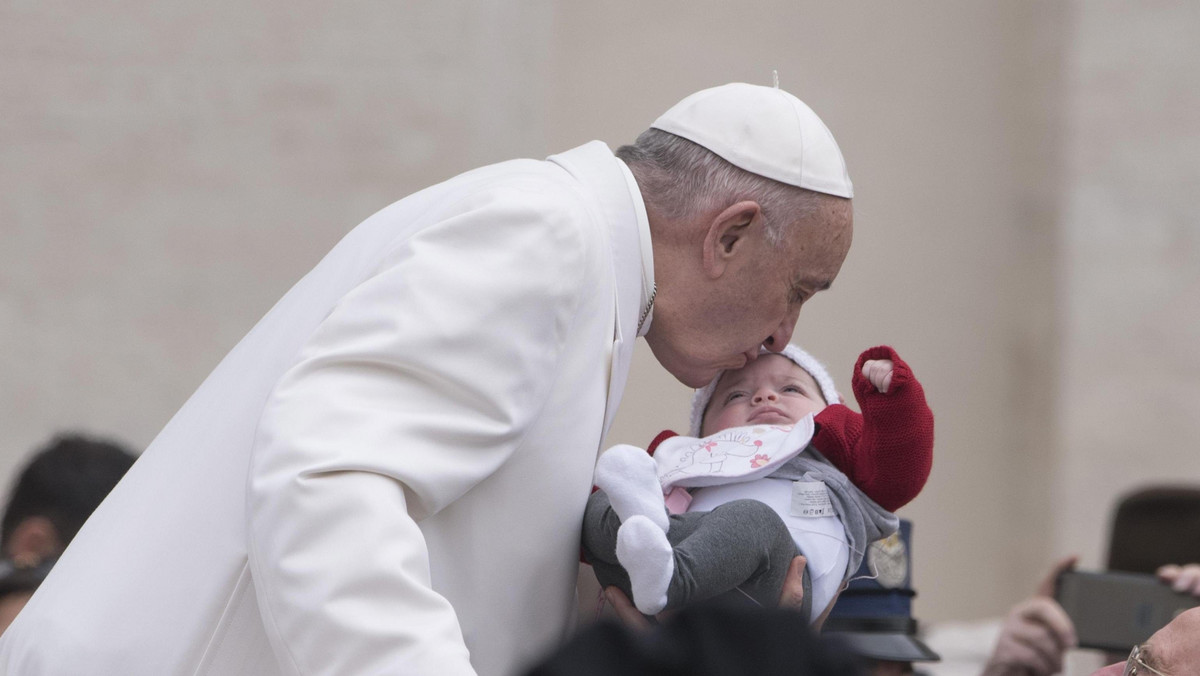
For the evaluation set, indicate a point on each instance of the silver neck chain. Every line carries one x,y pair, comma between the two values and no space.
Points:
649,306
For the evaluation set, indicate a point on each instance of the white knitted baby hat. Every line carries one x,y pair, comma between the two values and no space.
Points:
802,359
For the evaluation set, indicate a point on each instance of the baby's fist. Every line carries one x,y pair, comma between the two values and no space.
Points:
879,372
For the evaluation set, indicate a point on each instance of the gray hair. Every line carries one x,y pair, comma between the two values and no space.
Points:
681,179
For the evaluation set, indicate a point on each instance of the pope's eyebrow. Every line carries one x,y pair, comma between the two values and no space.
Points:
1149,658
798,288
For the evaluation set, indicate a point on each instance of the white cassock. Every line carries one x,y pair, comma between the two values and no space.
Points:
387,475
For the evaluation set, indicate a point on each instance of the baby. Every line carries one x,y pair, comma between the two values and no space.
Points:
777,467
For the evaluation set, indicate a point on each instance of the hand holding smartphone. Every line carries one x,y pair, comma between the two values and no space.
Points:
1115,611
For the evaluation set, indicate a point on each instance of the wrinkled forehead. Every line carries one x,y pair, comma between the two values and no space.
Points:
820,245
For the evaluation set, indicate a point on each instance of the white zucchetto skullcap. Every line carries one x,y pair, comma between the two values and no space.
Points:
763,130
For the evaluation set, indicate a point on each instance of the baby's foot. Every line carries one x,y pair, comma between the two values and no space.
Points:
628,476
646,555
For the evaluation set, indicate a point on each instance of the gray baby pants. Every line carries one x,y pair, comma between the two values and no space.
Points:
741,545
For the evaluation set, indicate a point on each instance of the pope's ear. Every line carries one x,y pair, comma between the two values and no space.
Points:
727,236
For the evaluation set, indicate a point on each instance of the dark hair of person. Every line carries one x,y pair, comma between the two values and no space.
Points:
64,482
703,640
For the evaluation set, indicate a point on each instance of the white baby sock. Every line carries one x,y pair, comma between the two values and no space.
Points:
628,475
645,554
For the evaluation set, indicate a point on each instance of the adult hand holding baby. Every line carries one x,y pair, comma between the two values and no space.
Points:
792,597
793,587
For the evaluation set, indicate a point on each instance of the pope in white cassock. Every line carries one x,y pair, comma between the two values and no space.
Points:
388,473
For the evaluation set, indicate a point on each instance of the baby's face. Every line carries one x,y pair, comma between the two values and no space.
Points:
771,390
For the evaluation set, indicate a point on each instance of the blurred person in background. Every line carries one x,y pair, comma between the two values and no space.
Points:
1034,637
1152,528
873,618
1173,650
709,638
53,495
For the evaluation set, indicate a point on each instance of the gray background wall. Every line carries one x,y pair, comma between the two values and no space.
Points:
1026,227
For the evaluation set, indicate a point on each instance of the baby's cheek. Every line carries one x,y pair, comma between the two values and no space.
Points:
728,417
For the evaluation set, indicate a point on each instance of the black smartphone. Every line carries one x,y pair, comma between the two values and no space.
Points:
1116,611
